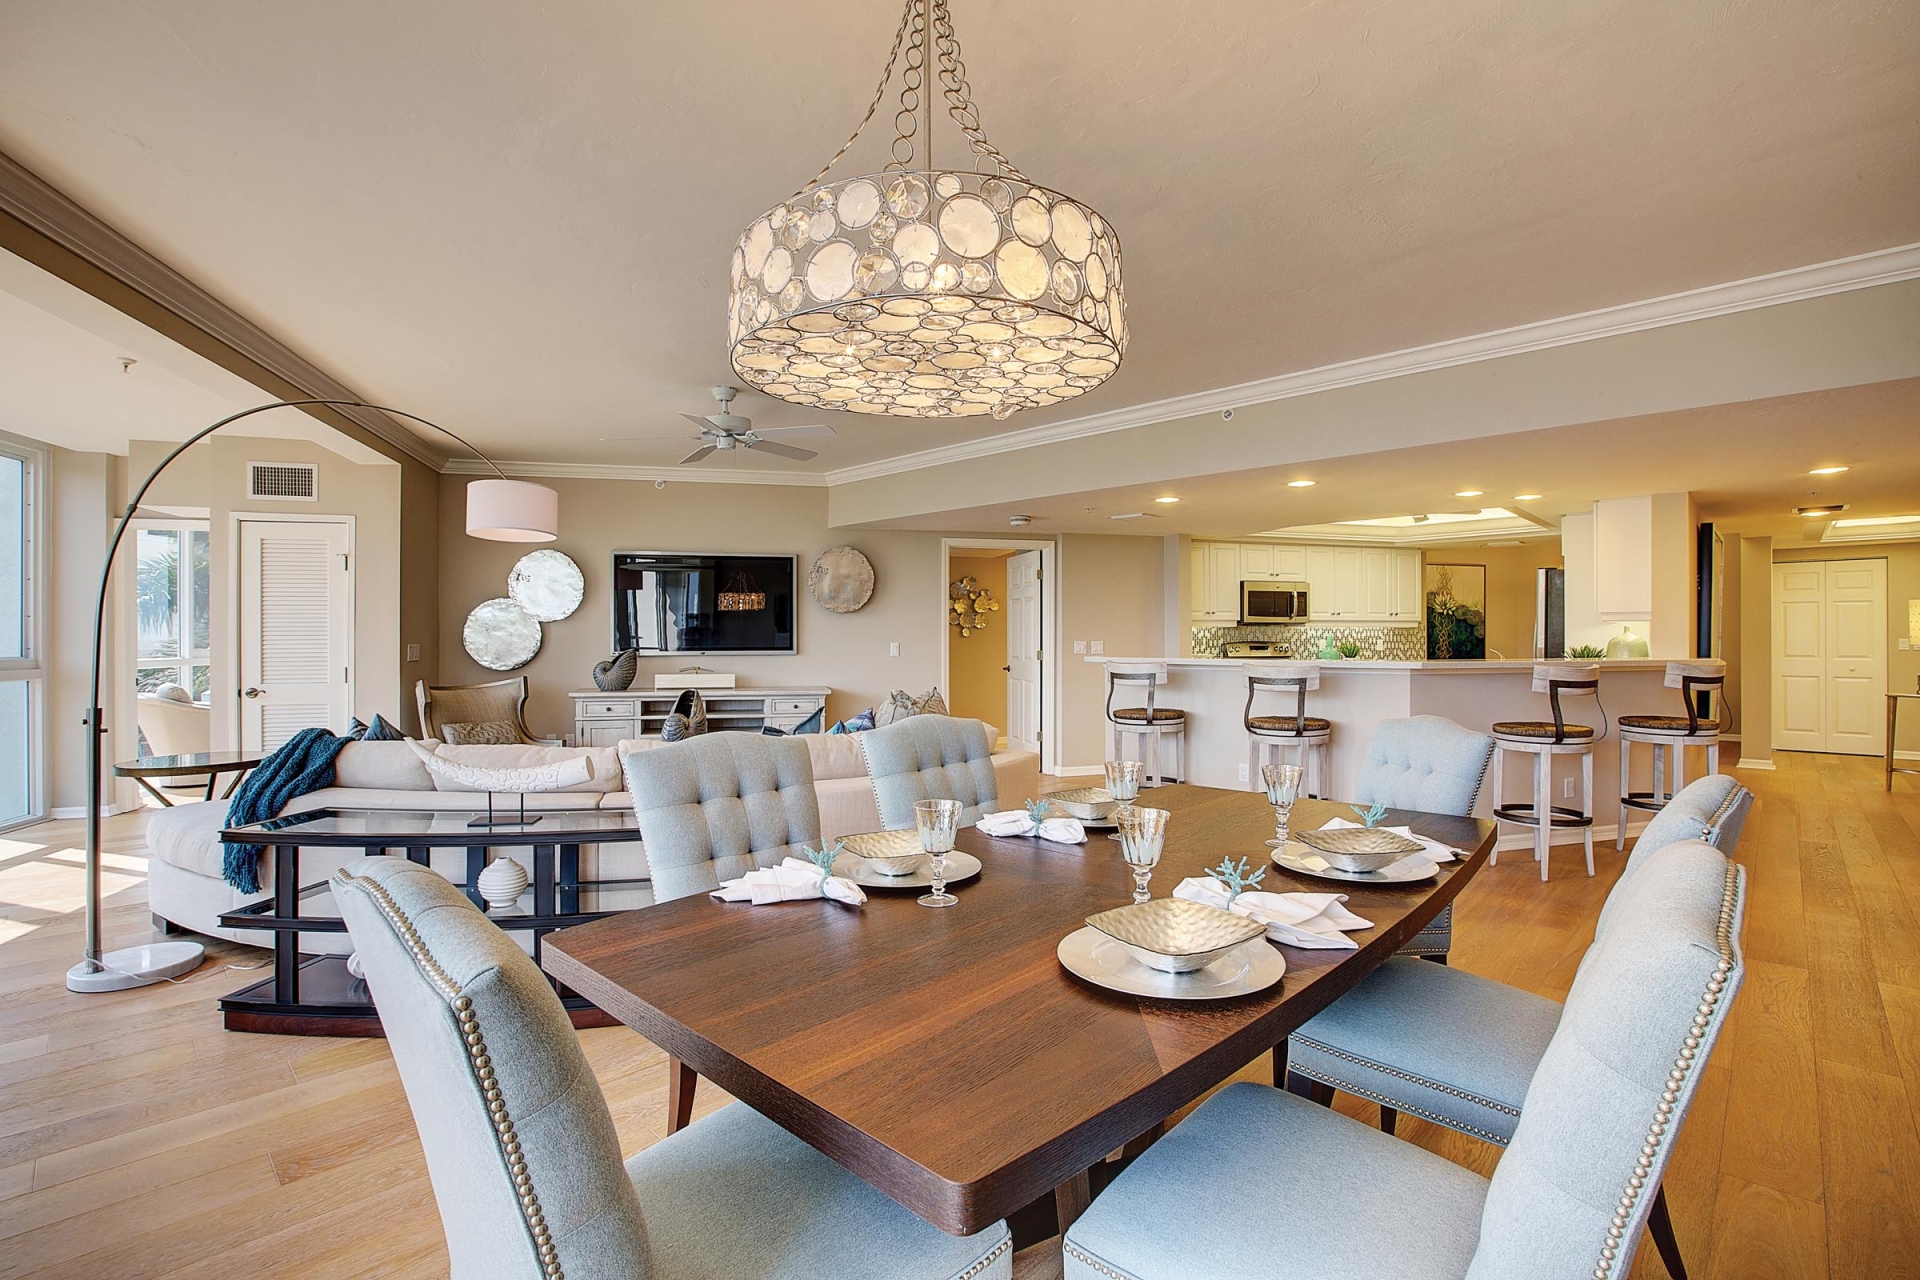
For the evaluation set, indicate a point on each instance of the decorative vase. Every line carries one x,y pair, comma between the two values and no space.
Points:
1627,645
354,968
691,708
617,672
502,883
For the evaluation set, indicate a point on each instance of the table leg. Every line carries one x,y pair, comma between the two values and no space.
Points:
1136,1148
1893,721
544,879
286,904
682,1080
476,863
1071,1198
151,790
234,786
212,778
419,855
570,879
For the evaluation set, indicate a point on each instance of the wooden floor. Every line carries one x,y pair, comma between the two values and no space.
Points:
138,1139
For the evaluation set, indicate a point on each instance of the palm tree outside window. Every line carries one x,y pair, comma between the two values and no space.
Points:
173,591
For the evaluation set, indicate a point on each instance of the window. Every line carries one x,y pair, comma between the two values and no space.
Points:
172,592
21,740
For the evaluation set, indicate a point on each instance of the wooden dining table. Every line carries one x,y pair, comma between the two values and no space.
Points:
946,1057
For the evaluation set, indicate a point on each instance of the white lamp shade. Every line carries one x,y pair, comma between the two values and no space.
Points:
512,511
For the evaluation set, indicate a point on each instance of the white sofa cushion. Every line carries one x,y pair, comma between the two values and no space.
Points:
386,766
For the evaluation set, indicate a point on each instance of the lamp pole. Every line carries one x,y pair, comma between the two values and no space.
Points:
153,962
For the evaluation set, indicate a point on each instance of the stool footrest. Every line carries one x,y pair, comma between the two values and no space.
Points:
1523,814
1644,800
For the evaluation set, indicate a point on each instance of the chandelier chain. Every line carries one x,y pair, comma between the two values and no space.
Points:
913,82
879,92
959,94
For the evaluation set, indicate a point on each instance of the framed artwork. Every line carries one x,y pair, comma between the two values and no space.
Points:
1456,610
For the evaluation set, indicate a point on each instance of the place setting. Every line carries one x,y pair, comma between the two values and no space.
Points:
923,858
1362,852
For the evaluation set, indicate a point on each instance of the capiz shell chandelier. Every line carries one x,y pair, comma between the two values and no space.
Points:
927,293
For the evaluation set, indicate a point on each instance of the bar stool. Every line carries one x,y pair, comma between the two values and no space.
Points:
1543,741
1675,733
1279,736
1146,724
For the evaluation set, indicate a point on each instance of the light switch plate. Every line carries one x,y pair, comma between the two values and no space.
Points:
1080,646
413,653
1099,646
893,649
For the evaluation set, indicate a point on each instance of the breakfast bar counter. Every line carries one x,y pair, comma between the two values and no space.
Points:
1357,694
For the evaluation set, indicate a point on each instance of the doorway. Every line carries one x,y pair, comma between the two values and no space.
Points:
996,643
295,614
1830,656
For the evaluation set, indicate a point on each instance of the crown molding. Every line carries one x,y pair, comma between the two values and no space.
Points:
1842,275
48,212
615,471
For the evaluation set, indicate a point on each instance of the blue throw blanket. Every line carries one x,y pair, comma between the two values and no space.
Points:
304,764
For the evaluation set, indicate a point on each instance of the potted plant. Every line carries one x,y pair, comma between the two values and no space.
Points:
1348,649
1586,651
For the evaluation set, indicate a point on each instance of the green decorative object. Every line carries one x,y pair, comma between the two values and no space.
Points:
1456,611
1586,651
1328,649
1627,645
1348,649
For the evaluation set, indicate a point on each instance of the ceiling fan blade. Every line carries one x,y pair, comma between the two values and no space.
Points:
698,421
697,454
646,439
781,450
817,431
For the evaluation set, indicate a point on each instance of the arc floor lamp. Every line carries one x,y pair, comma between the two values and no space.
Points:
498,508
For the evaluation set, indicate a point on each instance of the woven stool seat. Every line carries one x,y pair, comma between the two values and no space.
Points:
1541,730
1138,715
1669,724
1288,724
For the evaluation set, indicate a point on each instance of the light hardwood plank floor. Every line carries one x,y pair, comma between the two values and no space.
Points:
138,1139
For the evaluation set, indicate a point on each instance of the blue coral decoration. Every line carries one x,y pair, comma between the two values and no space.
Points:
824,858
1037,811
1370,816
1232,876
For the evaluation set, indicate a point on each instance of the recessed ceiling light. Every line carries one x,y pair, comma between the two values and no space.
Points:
1300,484
1134,515
1526,497
1166,502
1468,493
1827,471
1826,509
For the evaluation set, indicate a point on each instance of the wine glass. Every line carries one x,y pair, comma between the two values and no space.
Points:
1123,784
1283,788
1142,834
939,822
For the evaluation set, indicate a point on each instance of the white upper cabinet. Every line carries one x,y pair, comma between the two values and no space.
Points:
1289,564
1376,571
1256,561
1216,582
1344,584
1408,592
1623,557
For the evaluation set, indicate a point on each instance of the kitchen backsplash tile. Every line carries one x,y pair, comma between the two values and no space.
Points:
1393,644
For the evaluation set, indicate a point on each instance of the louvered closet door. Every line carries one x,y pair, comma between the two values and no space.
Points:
296,629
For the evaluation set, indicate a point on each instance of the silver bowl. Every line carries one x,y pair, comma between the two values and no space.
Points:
891,853
1174,935
1358,848
1089,804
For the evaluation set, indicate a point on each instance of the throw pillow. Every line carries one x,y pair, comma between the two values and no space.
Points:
382,730
482,732
810,725
560,775
356,730
172,692
855,724
901,704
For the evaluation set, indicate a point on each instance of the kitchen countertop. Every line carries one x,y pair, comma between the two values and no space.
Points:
1365,665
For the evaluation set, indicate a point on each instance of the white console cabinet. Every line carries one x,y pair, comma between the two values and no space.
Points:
603,719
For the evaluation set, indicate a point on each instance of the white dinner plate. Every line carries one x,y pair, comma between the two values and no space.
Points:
961,867
1411,869
1093,956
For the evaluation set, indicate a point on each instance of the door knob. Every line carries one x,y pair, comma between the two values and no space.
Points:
252,692
1008,668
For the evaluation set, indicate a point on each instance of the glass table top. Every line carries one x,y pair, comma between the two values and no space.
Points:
446,826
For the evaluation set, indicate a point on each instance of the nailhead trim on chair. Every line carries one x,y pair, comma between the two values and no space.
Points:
1095,1263
1396,1104
1408,1076
1670,1096
505,1135
993,1255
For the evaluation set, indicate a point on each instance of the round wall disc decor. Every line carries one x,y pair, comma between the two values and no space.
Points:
841,580
500,635
547,584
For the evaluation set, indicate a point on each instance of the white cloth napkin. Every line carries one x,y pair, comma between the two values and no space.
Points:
1435,851
1015,822
793,879
1296,919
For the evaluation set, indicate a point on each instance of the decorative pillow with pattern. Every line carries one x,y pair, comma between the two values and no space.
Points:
503,733
855,724
900,705
560,775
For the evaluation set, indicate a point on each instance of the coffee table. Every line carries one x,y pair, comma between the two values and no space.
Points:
189,764
316,995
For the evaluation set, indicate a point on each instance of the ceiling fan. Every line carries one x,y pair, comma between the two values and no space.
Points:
725,430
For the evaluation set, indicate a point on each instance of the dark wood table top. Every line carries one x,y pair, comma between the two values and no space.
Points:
946,1057
187,762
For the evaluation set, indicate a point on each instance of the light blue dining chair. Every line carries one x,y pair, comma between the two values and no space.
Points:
522,1151
930,758
1461,1050
1573,1191
1430,764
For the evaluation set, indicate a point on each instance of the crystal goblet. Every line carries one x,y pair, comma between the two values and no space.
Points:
1283,789
938,822
1143,832
1123,784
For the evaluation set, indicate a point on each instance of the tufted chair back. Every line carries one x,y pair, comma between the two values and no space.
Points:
1573,1189
1427,763
520,1146
1712,809
930,758
715,807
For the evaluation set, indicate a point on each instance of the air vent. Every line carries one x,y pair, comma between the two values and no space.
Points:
282,481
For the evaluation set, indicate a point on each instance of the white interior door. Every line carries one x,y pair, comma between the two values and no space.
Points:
1023,651
296,629
1830,656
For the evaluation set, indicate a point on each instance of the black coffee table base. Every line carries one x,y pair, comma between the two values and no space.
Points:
335,1003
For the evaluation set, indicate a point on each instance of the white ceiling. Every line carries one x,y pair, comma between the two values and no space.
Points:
515,217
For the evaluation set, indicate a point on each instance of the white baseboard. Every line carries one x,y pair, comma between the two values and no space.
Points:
1603,835
65,813
1081,771
1906,755
1744,763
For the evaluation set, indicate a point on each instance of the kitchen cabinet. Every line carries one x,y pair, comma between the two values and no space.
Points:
1256,561
1345,584
1216,582
1376,574
1409,591
1623,557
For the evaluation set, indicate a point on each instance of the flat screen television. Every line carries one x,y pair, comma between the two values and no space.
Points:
688,602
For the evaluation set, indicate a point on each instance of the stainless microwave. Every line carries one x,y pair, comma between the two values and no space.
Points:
1268,602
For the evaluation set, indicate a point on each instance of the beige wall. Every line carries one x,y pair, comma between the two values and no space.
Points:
213,475
83,492
1756,649
1512,573
1903,584
1732,628
419,584
1112,591
976,664
1670,630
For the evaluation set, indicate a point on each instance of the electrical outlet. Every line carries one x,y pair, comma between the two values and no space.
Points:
1905,643
1079,646
1243,773
893,649
1098,646
413,653
1566,788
